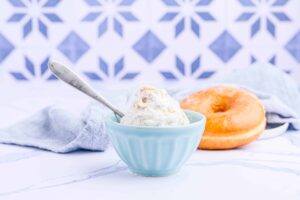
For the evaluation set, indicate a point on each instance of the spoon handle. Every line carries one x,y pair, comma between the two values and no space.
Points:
70,77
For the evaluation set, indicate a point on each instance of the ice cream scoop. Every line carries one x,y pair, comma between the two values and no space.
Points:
152,106
156,108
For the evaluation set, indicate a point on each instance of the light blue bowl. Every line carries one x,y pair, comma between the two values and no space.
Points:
156,151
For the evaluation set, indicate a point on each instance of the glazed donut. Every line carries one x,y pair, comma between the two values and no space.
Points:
235,117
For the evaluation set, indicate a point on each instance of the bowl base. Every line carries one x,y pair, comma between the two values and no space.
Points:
154,173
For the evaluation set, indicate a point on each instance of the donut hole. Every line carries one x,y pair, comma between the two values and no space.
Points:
221,105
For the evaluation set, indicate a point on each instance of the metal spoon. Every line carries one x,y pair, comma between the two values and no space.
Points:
67,75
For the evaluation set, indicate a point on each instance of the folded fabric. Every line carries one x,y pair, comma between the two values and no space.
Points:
57,130
277,91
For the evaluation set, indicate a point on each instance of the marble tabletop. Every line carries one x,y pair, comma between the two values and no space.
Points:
265,169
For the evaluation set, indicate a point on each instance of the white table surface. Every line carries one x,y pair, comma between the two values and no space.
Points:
265,169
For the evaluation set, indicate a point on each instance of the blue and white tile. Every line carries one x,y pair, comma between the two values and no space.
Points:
111,47
263,40
224,34
185,35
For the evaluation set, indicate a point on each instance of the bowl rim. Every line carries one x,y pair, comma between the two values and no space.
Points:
190,125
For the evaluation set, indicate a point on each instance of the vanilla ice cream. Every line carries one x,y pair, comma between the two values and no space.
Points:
154,107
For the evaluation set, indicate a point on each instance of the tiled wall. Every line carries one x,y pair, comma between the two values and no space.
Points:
128,41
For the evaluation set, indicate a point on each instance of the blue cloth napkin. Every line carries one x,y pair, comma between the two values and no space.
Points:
278,92
57,130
